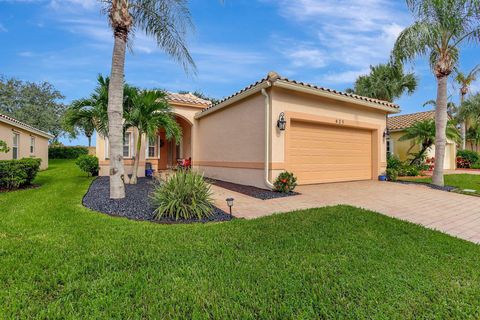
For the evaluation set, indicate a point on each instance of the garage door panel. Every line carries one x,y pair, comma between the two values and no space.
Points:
322,153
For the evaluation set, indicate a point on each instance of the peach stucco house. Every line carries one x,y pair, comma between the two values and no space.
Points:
23,140
328,136
404,149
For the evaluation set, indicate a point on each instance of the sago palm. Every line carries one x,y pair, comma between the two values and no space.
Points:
148,111
440,27
423,133
385,82
465,80
168,22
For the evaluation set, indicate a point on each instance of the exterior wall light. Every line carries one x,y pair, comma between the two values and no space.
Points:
230,204
281,123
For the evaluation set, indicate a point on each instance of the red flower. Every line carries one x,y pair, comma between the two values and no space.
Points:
284,180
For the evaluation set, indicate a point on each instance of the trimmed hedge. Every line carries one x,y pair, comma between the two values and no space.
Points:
16,174
88,164
63,152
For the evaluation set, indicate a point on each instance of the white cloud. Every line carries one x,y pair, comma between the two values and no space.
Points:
343,76
26,54
348,35
2,28
73,5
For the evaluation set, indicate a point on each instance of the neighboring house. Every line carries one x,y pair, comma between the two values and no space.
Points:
404,149
328,136
23,140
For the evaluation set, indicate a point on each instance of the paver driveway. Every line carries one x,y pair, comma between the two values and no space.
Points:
452,213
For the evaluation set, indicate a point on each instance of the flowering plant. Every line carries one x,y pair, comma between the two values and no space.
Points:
285,182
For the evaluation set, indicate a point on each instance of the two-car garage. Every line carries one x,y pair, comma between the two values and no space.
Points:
320,153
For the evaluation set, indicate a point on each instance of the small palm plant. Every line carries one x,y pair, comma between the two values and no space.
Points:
423,133
185,195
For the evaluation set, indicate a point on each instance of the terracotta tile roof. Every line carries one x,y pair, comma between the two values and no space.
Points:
407,120
187,98
19,124
273,76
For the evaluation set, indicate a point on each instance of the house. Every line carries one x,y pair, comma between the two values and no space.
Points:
403,149
274,124
23,140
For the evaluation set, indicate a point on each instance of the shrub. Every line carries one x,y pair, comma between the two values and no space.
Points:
392,174
185,195
88,164
3,147
15,174
475,166
61,152
465,158
285,182
404,168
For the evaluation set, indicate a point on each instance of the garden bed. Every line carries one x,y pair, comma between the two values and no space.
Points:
137,204
250,190
432,186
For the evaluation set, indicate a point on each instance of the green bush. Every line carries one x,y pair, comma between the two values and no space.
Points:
465,158
185,195
392,174
404,168
61,152
15,174
475,166
88,164
285,182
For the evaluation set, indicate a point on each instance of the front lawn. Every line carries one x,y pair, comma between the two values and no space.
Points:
460,181
60,260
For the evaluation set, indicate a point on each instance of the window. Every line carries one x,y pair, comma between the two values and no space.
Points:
16,142
32,145
151,147
389,147
127,145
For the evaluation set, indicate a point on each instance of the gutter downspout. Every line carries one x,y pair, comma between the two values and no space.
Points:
267,139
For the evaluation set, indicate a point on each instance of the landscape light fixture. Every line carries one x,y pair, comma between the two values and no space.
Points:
230,204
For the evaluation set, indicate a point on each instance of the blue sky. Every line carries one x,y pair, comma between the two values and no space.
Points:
325,42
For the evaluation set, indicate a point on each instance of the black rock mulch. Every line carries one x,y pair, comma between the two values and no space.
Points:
432,186
251,191
137,204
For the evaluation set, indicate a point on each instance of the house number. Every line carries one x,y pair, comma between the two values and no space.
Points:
340,121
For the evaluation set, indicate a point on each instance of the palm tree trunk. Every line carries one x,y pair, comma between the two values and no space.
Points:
115,118
89,141
133,180
463,125
440,130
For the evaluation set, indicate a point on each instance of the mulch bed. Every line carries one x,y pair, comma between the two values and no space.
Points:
251,191
136,205
432,186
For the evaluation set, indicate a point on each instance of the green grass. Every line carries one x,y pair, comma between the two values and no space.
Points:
60,260
460,181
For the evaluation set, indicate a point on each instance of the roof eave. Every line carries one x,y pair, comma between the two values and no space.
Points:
317,92
32,130
262,85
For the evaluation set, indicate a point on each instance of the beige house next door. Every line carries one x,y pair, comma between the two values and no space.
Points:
320,153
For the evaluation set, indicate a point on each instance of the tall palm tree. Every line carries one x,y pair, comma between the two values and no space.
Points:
470,109
89,114
465,80
423,133
168,22
440,27
473,135
452,109
385,82
147,112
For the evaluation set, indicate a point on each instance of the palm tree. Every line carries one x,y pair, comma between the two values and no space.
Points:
470,109
423,133
147,112
465,81
385,82
473,135
89,114
165,20
440,27
452,109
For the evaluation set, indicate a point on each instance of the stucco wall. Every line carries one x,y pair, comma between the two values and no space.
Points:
185,112
41,144
229,144
401,149
288,101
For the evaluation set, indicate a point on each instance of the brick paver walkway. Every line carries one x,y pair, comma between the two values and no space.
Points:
452,213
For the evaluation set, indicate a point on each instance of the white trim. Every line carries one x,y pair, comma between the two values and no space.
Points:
129,140
15,146
156,145
106,152
32,145
26,127
390,142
